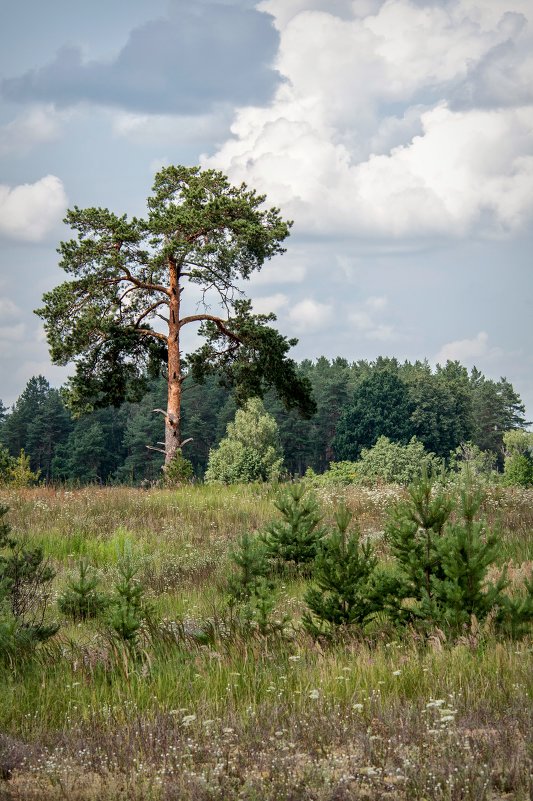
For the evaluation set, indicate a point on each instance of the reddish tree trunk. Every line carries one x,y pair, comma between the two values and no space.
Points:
173,417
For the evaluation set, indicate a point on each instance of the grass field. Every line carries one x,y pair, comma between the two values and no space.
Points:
231,715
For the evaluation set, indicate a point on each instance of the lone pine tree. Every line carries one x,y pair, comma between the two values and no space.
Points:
120,315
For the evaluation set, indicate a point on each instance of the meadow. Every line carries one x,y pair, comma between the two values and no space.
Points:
207,710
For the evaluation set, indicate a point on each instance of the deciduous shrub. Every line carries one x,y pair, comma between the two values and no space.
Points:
392,462
250,451
518,466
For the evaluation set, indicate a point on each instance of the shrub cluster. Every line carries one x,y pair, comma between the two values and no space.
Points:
442,553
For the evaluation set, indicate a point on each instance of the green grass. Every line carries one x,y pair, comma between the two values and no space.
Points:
233,716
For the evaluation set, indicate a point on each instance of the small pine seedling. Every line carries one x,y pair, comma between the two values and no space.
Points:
297,536
127,607
82,600
343,572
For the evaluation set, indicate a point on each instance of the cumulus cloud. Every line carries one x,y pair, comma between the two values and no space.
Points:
310,315
270,303
366,319
467,351
34,126
11,336
8,309
29,211
390,124
288,270
172,129
201,54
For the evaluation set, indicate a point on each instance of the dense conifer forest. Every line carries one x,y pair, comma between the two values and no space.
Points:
356,404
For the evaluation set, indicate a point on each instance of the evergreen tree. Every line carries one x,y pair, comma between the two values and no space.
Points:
49,428
94,449
127,606
24,581
467,552
207,410
82,600
497,408
20,473
126,276
83,455
345,594
3,415
141,429
442,565
413,531
380,407
15,428
252,569
296,537
6,465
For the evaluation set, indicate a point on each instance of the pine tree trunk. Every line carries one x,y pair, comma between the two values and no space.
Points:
173,417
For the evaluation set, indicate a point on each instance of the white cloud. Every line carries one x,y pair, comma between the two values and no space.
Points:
376,303
468,350
30,128
365,137
10,337
8,310
287,270
171,129
270,303
366,320
29,211
310,315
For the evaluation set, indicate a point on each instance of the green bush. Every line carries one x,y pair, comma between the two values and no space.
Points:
391,462
518,466
469,459
178,471
338,473
518,471
250,451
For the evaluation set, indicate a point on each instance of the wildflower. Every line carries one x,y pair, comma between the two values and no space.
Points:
314,694
188,719
396,672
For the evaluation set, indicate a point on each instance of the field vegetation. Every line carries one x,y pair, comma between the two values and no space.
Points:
204,703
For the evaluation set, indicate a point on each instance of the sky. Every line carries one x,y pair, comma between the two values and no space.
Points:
397,135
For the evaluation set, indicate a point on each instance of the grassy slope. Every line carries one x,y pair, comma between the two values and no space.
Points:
246,717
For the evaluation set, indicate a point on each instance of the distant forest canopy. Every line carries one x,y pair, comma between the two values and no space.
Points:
357,403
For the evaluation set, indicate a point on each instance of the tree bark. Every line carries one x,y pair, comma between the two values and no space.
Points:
173,416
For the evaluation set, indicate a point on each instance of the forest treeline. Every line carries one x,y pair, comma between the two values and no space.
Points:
356,404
